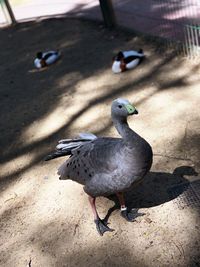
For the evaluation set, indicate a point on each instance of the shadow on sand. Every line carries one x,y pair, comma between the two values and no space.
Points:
154,190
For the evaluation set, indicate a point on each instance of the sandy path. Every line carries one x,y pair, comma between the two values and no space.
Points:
49,221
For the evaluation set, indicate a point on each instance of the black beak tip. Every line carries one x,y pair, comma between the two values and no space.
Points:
135,112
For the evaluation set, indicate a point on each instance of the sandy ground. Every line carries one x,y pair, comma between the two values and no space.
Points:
47,222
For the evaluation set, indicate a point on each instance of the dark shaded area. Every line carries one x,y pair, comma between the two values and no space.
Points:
190,198
155,189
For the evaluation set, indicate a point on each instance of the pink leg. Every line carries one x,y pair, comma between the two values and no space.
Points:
94,210
100,224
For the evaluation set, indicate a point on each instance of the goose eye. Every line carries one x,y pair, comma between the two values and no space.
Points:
120,106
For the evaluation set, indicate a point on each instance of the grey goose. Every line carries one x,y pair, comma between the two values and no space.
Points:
106,165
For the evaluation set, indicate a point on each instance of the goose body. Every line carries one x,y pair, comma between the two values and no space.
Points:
44,59
106,165
126,60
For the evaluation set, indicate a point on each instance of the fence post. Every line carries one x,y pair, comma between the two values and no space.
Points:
108,13
10,12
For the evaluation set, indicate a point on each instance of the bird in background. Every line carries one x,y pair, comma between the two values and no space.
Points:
126,60
44,59
106,165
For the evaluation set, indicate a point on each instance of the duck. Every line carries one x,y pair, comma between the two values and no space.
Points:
44,59
126,60
106,165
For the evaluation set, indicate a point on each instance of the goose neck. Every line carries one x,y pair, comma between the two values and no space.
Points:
123,129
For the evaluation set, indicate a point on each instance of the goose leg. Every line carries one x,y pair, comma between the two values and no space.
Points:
124,213
100,224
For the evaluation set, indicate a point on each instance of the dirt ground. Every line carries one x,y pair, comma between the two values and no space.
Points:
47,222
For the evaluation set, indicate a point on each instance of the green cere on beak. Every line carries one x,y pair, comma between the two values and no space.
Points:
131,109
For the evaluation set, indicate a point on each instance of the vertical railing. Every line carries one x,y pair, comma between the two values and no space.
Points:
8,12
185,26
178,22
192,30
192,41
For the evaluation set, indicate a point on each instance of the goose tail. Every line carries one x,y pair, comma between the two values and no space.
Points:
65,146
56,154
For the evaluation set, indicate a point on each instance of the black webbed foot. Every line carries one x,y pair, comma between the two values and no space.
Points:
132,215
102,227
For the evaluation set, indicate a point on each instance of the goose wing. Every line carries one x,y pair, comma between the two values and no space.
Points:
100,156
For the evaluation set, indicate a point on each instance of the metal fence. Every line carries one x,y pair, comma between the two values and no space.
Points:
177,22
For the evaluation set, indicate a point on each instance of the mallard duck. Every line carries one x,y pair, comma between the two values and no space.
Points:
44,59
126,60
106,165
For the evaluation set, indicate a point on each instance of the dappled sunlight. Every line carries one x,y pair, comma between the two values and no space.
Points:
97,85
101,77
19,163
46,126
68,106
161,111
96,115
50,220
66,80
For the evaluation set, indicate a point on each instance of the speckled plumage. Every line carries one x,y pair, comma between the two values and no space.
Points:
106,165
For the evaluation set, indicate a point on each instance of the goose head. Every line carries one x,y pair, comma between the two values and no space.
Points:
122,108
